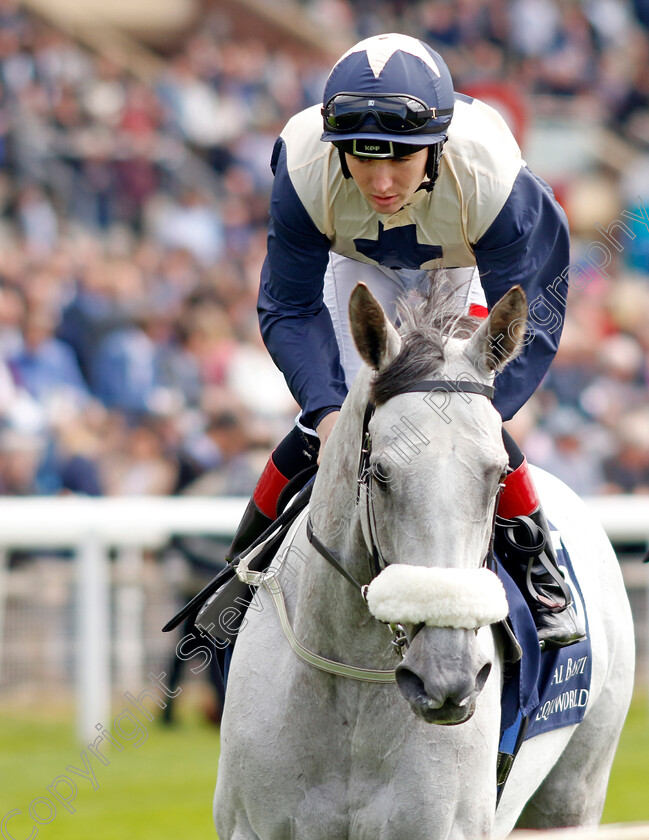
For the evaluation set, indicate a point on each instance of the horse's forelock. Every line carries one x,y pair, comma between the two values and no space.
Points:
420,355
426,322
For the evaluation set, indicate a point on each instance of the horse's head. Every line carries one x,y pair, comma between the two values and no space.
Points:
432,477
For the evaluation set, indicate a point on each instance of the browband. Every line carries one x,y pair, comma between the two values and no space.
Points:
466,386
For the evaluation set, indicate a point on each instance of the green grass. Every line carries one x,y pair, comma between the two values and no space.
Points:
627,799
163,789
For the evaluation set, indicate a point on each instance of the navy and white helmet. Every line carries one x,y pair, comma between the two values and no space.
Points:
386,92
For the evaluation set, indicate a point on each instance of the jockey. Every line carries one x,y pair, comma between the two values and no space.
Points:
396,176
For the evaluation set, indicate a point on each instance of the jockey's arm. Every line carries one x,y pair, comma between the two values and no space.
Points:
295,323
527,243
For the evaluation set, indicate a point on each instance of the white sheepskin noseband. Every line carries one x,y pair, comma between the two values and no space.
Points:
461,598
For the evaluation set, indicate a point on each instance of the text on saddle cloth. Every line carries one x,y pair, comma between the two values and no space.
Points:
549,688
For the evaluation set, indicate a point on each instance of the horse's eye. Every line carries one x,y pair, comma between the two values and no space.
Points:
381,475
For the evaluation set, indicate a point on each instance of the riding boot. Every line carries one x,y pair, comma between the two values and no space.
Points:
292,457
523,543
253,523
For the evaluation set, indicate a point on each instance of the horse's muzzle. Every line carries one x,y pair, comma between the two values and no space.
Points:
442,675
446,712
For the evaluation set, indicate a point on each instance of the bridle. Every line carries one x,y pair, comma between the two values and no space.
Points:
401,637
366,477
365,498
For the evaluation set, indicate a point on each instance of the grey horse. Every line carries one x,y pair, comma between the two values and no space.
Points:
326,733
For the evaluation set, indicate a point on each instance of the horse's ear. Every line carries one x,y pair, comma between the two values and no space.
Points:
375,337
500,338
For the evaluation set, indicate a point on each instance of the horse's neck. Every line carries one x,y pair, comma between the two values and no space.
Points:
333,502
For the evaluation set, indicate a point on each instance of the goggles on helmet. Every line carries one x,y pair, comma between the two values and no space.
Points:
396,113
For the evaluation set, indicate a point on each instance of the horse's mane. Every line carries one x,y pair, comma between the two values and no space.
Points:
426,320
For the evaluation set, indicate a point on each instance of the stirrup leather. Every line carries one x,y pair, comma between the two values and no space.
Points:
537,554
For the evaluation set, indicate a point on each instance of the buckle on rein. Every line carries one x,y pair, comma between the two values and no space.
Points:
401,639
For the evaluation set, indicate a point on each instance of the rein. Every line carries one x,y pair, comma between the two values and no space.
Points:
268,579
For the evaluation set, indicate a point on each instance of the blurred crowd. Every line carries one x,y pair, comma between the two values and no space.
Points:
132,231
590,53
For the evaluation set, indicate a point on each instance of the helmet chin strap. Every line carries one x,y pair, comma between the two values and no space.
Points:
343,164
432,165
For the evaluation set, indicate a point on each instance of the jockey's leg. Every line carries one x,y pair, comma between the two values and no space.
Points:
297,452
524,545
227,607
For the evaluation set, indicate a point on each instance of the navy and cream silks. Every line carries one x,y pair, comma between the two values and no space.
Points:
487,210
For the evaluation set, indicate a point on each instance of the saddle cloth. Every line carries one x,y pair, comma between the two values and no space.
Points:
544,690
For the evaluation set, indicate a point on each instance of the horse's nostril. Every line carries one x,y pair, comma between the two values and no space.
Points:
411,686
482,677
442,693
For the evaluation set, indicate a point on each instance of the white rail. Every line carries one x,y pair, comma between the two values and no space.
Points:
92,526
625,518
65,521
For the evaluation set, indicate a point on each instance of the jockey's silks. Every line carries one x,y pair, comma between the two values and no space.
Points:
487,211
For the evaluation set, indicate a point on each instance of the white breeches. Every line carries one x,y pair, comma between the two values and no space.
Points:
388,285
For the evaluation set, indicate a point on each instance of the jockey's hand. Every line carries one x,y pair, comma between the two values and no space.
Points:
324,428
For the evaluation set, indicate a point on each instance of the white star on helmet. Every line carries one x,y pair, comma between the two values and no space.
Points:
380,48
